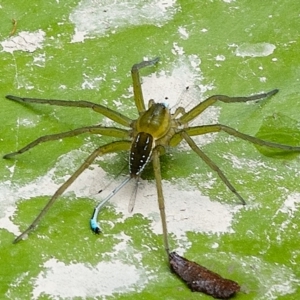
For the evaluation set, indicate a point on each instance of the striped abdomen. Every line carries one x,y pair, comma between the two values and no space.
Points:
140,153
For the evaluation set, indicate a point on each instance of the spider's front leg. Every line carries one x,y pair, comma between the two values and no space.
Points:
198,109
136,82
199,130
105,111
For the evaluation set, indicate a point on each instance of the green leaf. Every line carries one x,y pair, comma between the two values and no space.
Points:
76,50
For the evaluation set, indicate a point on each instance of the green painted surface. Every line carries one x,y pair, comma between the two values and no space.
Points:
261,251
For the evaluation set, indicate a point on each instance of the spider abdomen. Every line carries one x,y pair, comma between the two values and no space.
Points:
140,153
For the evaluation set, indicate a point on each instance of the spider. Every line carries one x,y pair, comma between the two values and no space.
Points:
146,138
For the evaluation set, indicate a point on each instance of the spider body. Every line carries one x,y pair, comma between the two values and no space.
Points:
146,138
152,125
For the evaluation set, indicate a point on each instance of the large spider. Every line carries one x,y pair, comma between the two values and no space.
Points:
146,139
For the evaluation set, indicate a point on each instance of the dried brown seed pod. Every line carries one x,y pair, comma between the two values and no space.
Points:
200,279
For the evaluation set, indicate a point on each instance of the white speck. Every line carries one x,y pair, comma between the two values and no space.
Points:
242,163
92,83
28,123
183,32
195,62
255,50
97,18
204,30
117,103
39,60
274,59
291,205
215,245
24,41
262,79
177,50
220,58
87,85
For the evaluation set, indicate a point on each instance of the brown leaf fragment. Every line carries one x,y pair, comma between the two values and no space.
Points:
200,279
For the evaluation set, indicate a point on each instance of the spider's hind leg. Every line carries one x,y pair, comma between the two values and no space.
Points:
198,109
199,130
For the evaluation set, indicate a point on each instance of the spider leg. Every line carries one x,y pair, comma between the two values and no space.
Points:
133,195
109,131
211,164
198,109
108,148
137,88
198,130
160,196
105,111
